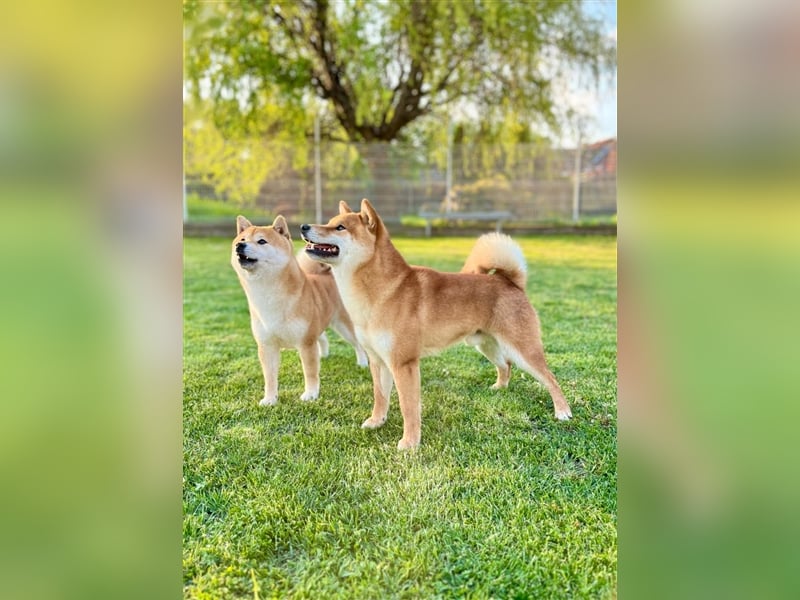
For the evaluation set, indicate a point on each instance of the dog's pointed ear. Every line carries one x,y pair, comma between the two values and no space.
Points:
242,224
344,208
280,225
369,215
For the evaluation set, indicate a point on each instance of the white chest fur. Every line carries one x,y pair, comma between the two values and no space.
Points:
273,312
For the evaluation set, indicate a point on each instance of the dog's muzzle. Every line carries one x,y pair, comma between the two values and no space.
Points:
316,249
244,260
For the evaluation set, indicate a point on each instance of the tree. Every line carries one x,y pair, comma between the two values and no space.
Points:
381,66
236,166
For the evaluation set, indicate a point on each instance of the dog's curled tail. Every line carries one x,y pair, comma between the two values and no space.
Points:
498,253
311,266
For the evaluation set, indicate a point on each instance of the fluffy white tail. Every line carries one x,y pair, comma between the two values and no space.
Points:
498,253
311,266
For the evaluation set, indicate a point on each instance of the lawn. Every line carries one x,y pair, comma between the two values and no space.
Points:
499,501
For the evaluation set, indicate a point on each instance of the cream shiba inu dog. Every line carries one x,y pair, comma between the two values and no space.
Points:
402,313
292,300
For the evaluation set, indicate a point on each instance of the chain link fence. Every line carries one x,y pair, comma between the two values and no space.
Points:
533,182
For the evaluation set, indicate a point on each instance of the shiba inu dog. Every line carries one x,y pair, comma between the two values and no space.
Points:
292,300
404,312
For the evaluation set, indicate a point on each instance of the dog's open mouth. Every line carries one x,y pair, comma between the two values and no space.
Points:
245,260
322,250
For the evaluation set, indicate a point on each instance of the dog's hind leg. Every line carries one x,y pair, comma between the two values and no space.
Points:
309,356
488,346
527,353
382,382
322,342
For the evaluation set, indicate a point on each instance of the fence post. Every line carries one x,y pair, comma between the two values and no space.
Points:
317,174
449,176
576,189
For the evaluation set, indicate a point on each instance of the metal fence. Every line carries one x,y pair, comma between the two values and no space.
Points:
531,181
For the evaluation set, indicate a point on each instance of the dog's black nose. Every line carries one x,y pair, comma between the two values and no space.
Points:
240,247
305,227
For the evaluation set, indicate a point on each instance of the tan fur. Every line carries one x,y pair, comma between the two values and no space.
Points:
290,307
402,312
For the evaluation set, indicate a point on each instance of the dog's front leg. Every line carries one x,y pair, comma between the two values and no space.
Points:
382,390
309,356
270,358
407,378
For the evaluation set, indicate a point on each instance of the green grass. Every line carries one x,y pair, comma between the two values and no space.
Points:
500,500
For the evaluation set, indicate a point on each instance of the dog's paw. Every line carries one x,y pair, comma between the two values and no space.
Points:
499,386
405,444
564,415
309,396
268,401
362,360
373,423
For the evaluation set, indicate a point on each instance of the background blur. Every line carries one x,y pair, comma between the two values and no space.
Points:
90,299
709,282
92,186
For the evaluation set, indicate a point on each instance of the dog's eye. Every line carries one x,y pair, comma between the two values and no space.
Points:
339,227
262,242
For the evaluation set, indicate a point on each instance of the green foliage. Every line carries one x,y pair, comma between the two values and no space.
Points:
237,165
500,500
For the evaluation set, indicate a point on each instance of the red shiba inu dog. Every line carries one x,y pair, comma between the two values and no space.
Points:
291,303
402,313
